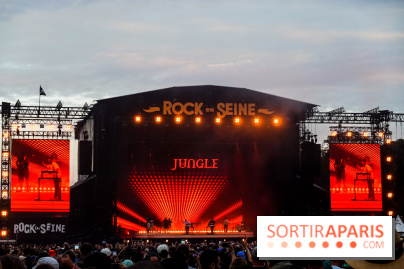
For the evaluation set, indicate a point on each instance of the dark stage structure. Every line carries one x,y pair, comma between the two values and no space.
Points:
192,162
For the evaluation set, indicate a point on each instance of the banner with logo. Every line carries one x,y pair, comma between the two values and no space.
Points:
325,237
41,228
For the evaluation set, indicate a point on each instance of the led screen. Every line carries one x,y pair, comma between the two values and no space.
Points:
355,179
40,175
198,182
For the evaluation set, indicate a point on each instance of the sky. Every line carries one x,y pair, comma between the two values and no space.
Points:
331,53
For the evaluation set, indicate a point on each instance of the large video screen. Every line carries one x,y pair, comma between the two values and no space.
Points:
355,177
198,182
40,180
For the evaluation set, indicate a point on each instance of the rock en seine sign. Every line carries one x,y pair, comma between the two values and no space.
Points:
197,108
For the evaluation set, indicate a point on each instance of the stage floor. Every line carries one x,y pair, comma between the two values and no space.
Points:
191,235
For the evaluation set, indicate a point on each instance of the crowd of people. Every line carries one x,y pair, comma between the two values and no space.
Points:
144,255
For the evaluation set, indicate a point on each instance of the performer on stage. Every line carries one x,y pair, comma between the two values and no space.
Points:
165,223
211,225
169,221
226,224
23,172
367,168
187,225
53,165
339,166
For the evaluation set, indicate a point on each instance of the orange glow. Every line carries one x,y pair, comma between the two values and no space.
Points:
68,127
15,125
50,126
5,154
4,194
138,119
125,209
334,133
389,177
158,119
388,159
198,120
5,135
380,134
390,213
365,134
178,119
217,120
3,232
276,121
32,126
4,174
349,134
229,210
390,195
388,141
256,120
237,120
4,213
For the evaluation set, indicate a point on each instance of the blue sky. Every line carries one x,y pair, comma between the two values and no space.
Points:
330,53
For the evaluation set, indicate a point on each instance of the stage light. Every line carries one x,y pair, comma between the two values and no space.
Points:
158,119
388,141
349,134
6,154
276,121
198,120
166,240
365,134
4,173
237,120
32,126
15,125
4,213
390,195
177,119
256,120
333,133
380,134
388,159
3,233
138,119
5,135
147,241
389,177
51,126
217,120
4,194
390,213
68,127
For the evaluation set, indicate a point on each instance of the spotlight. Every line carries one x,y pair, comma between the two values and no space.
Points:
276,121
237,120
3,232
68,127
390,213
334,133
177,119
390,195
4,194
6,154
389,177
217,120
4,213
349,134
198,120
256,120
5,135
138,119
388,159
158,119
380,134
388,141
4,174
365,134
15,125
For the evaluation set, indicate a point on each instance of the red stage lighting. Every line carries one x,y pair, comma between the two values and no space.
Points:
138,119
198,120
217,120
276,121
125,209
158,119
229,210
177,119
389,177
256,120
237,120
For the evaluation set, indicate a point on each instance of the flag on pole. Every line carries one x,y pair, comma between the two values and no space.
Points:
41,91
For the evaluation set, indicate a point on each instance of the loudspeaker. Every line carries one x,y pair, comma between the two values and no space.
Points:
85,157
311,159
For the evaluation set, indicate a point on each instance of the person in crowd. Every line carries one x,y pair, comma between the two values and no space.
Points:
210,259
68,259
85,250
47,260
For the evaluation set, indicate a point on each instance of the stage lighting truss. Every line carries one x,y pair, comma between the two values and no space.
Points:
357,134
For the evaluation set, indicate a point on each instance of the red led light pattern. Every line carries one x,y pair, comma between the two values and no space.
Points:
178,195
125,224
121,207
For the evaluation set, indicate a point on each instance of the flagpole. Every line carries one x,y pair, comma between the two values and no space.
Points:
39,109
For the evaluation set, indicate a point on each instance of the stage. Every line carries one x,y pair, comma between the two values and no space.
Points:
191,235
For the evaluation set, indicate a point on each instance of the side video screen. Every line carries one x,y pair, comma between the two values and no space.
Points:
355,177
40,180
